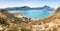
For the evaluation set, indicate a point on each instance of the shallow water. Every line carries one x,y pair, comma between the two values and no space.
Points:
41,14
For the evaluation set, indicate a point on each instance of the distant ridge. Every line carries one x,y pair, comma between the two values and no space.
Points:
29,8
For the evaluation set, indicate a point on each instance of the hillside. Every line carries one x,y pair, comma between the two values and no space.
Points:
56,15
51,23
13,23
10,16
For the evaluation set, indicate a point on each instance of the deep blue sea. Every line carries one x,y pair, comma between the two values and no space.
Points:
41,14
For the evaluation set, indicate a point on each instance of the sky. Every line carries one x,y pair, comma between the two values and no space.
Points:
30,3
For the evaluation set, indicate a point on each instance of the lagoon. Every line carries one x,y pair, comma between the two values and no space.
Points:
36,14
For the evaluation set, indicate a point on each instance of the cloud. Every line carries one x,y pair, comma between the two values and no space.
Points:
31,3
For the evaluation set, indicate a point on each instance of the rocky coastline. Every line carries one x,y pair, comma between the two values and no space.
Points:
11,23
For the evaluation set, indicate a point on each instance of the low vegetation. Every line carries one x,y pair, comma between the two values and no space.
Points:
8,22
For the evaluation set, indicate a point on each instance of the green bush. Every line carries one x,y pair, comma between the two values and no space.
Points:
23,29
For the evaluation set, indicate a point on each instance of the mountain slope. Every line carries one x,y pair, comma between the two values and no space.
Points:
10,16
55,18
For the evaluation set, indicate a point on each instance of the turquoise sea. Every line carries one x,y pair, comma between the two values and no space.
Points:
41,14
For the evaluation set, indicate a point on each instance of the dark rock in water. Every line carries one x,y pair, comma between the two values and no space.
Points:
25,18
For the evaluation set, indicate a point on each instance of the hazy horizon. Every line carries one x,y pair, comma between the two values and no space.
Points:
30,3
